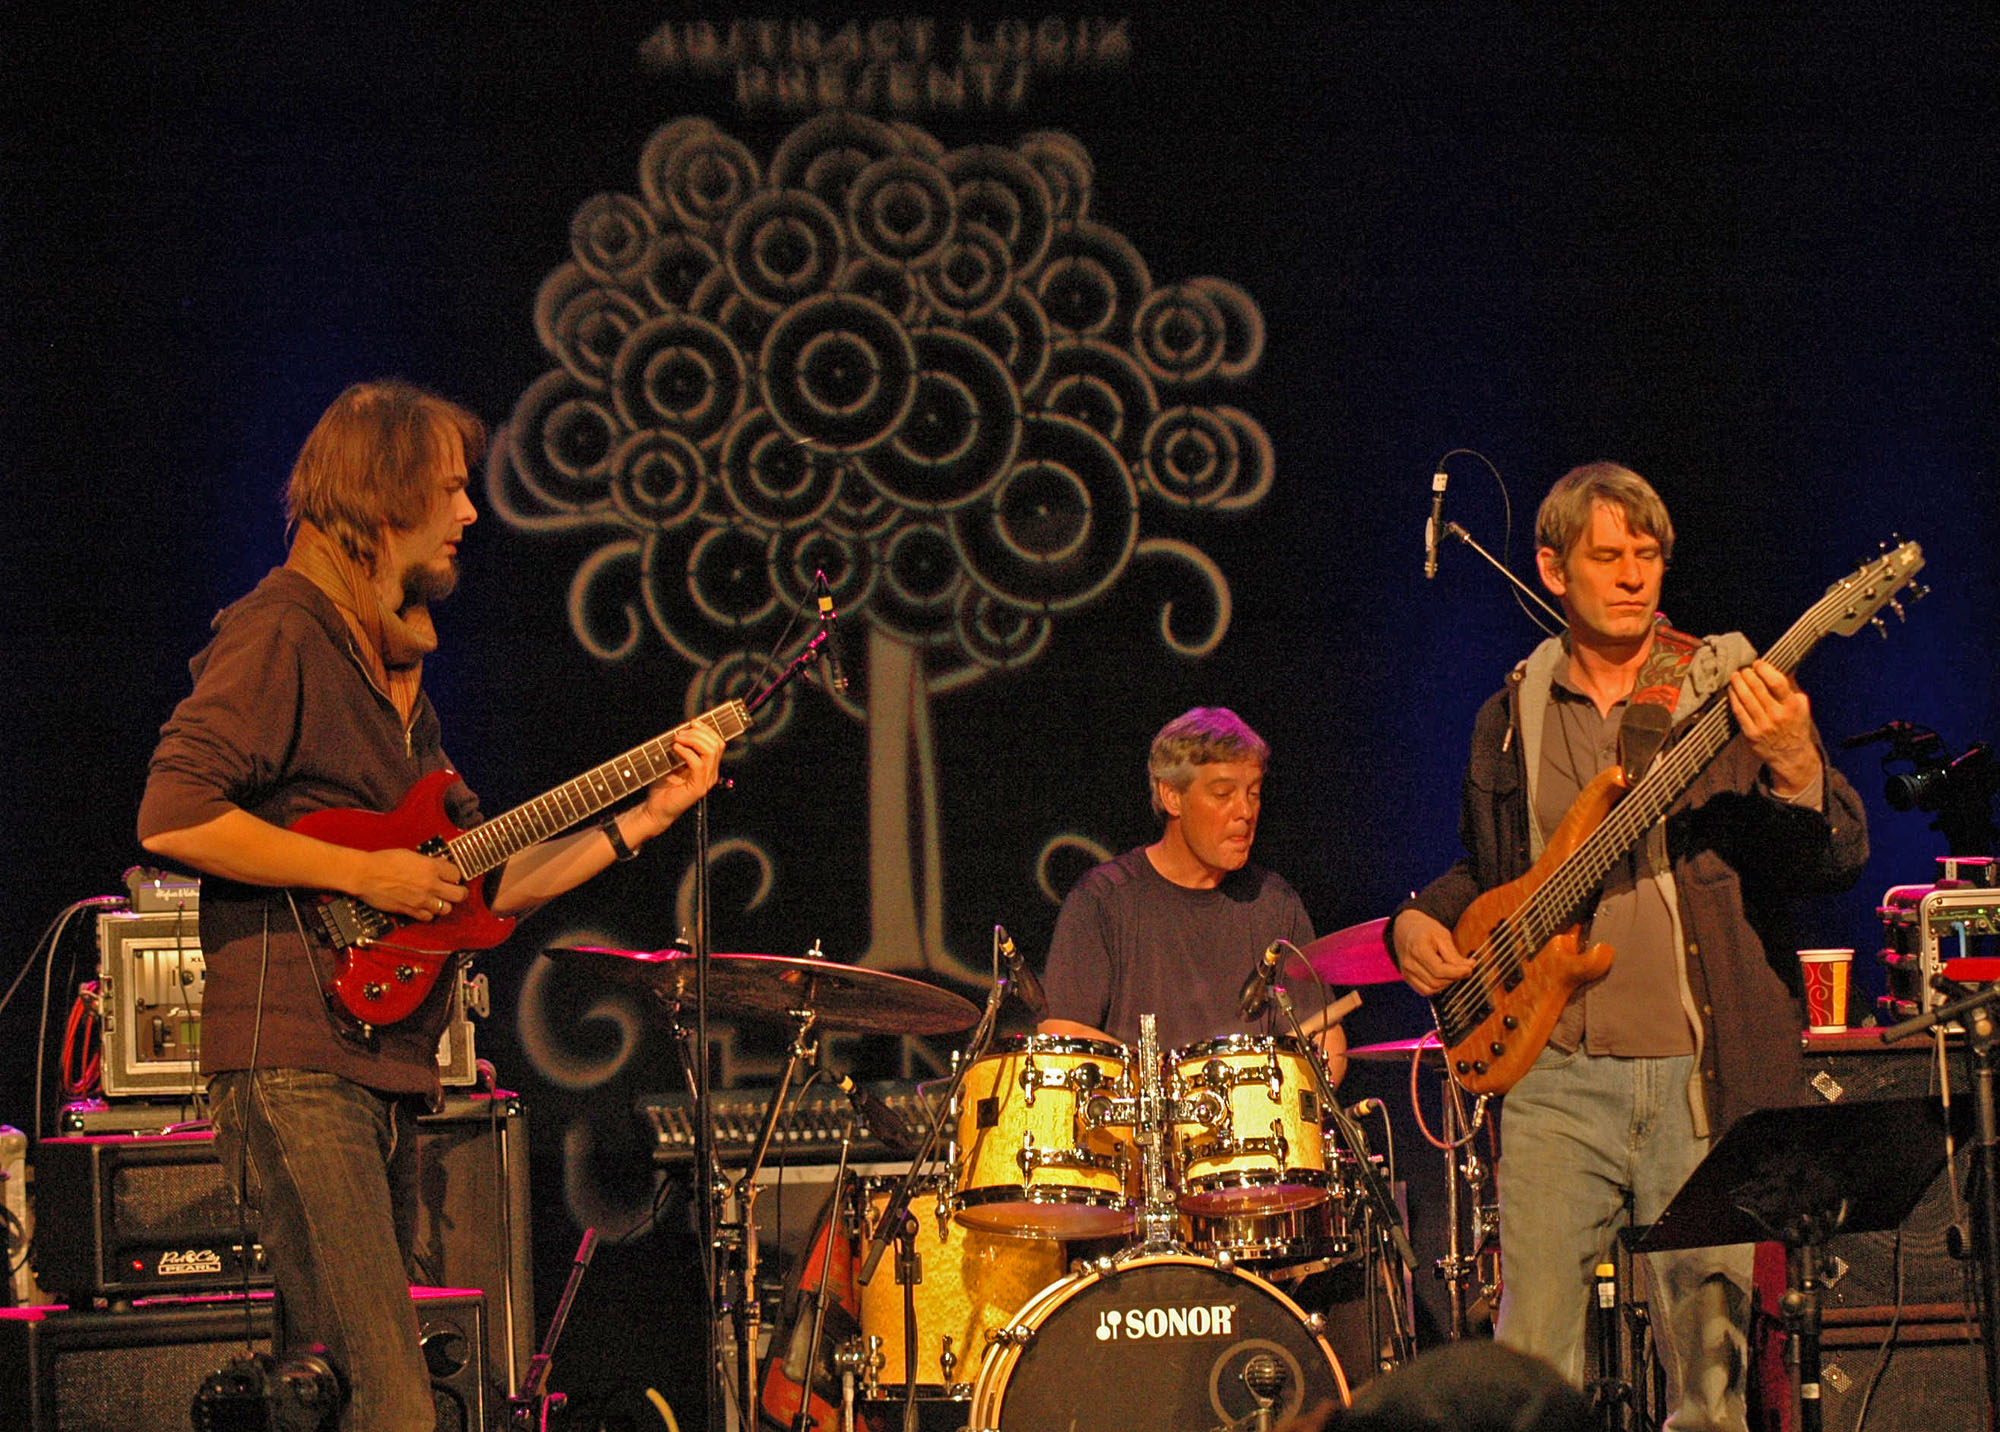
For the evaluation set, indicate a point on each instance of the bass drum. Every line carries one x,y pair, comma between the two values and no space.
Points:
1161,1341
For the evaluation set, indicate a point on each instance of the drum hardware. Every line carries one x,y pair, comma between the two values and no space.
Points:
1380,1215
808,993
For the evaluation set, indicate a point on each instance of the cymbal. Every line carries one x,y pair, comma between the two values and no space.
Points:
1353,956
1401,1049
842,997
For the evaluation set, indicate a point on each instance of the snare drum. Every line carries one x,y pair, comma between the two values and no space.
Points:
1159,1341
1029,1161
1266,1153
971,1284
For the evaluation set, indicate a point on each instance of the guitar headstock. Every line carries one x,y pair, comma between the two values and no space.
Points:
1858,599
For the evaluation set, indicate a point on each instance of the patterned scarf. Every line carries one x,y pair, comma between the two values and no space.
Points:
392,644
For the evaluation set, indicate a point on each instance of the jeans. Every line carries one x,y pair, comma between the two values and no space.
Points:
332,1171
1580,1135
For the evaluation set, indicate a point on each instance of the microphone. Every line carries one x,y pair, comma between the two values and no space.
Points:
1255,996
884,1122
1434,529
829,619
1020,978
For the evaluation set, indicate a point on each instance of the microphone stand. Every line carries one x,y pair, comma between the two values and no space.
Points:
899,1201
1454,530
802,1420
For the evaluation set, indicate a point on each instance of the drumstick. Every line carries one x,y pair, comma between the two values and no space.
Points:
1332,1014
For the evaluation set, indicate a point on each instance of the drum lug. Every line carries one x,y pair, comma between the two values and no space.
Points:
1317,1322
1225,1260
1014,1335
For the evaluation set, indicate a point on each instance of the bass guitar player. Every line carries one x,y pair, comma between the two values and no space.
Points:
1691,1021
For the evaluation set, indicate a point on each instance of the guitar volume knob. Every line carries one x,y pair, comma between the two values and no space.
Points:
372,990
406,973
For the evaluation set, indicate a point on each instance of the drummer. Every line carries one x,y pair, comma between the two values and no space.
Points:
1171,929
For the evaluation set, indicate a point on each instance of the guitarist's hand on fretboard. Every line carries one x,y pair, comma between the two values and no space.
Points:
1426,954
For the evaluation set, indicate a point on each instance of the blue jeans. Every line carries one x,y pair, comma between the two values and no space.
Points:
333,1176
1579,1135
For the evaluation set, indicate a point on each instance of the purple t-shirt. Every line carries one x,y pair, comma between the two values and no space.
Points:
1130,942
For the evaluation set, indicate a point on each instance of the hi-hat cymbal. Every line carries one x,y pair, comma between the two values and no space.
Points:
1353,956
842,997
1401,1049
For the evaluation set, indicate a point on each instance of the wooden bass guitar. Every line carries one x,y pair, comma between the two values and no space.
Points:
386,965
1526,937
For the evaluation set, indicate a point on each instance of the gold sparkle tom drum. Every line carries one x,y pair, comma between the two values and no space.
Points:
1029,1161
1267,1151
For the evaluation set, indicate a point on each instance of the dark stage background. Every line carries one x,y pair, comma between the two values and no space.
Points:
1747,250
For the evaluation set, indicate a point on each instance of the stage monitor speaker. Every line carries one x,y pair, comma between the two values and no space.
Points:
1862,1267
141,1367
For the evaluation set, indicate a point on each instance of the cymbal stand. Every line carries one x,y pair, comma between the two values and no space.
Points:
1465,1179
748,1313
1387,1220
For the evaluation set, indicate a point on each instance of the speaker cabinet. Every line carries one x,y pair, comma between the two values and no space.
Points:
136,1216
141,1367
1862,1267
1932,1374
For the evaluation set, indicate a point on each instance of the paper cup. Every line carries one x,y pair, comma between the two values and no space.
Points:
1826,977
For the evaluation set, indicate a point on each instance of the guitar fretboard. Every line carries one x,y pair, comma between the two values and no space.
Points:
491,843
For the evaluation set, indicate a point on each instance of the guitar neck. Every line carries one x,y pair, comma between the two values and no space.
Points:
1554,906
492,843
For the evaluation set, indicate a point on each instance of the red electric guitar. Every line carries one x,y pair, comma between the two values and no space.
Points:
386,964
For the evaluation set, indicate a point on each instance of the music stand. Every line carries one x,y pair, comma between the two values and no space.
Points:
1800,1176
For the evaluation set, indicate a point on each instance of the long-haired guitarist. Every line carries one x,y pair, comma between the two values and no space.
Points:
1693,1024
308,699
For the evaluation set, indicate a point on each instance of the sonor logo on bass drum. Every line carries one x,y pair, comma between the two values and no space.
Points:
1203,1320
175,1264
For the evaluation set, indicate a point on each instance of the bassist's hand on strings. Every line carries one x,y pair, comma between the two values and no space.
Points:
1426,954
1776,718
407,883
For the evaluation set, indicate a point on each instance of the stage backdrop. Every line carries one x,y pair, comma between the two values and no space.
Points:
1100,362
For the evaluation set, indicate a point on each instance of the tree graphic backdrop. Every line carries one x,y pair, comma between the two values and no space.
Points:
931,374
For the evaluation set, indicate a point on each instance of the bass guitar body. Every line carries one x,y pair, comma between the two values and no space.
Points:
388,966
1496,1024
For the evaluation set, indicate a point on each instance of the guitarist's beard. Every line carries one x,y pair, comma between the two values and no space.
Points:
424,584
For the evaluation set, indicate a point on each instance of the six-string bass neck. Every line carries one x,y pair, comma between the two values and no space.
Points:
386,965
1524,938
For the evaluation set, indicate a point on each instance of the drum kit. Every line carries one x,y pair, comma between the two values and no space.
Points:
1083,1223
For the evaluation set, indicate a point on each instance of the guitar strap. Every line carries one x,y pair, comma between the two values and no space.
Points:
1649,713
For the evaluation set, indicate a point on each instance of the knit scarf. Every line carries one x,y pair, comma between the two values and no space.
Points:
391,643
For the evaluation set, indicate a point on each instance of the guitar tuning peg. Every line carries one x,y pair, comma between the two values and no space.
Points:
1881,627
1918,591
1896,607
